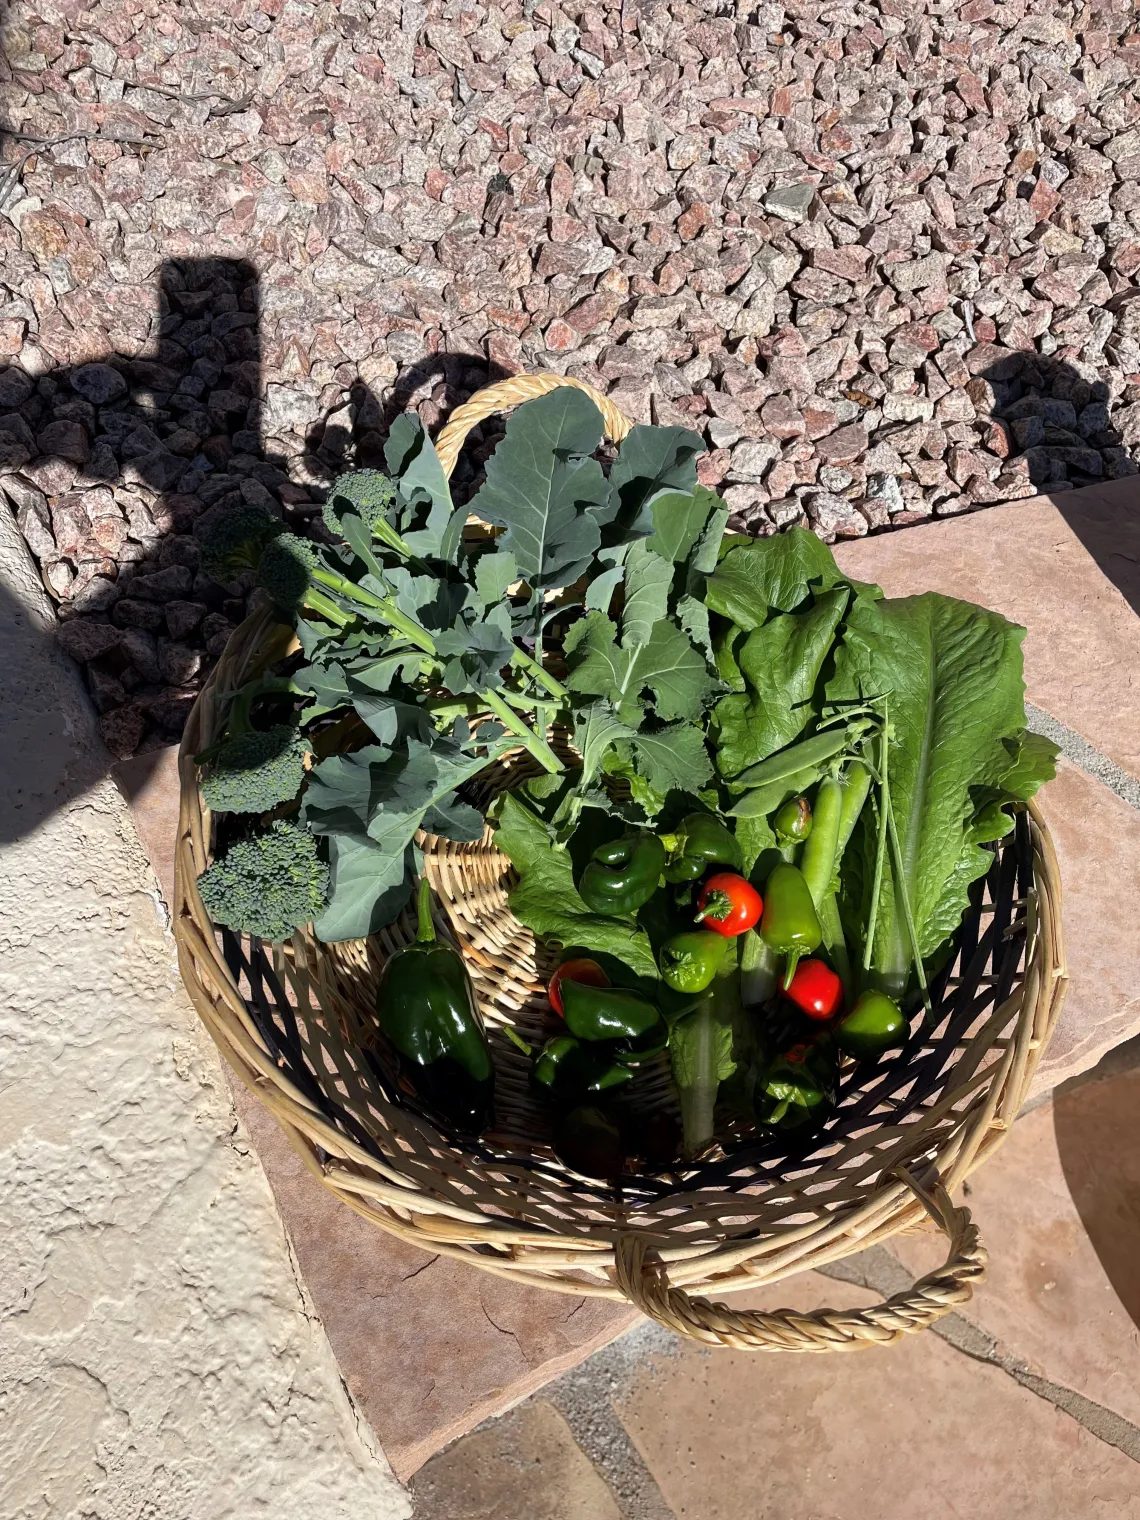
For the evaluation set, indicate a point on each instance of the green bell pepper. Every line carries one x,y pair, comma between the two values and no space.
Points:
623,874
876,1023
568,1071
690,961
790,925
606,1013
426,1006
700,841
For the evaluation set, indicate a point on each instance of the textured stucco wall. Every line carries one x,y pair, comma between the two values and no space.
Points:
157,1360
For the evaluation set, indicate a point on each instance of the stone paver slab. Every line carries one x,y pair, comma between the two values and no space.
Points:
1068,569
428,1347
886,1434
1097,837
526,1467
1059,1208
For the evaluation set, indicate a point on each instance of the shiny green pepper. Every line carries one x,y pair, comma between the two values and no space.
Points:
792,823
568,1071
875,1024
690,961
606,1013
426,1006
790,925
700,841
623,874
798,1086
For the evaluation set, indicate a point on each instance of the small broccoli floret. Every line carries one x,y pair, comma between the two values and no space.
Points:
368,493
286,568
268,885
232,539
256,770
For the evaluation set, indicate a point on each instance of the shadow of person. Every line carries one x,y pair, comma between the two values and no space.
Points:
1054,421
109,465
1098,1139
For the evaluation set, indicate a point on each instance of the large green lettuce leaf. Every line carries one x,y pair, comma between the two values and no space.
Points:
952,674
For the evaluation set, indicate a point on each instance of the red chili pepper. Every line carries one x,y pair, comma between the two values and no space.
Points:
729,905
587,972
816,990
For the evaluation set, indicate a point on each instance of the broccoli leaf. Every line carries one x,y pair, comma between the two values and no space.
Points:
666,664
540,484
650,460
475,649
679,519
673,758
370,885
494,572
648,579
431,525
547,901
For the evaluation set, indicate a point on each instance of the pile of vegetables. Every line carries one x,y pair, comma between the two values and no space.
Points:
751,840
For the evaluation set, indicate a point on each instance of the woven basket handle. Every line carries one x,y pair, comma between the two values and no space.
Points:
512,392
825,1329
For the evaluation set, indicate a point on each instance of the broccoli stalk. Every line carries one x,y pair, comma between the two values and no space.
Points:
295,576
268,885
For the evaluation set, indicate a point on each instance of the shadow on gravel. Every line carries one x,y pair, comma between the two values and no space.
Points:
1057,432
109,465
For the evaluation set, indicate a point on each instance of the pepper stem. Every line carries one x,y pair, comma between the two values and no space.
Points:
425,933
790,969
717,906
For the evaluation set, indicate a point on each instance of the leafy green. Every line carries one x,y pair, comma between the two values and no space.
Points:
650,460
648,579
952,673
370,886
679,519
666,664
547,901
431,523
781,662
541,486
774,574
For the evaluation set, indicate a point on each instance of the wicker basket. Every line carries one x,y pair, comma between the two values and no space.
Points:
295,1022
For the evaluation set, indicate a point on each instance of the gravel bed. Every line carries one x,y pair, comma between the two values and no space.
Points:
884,256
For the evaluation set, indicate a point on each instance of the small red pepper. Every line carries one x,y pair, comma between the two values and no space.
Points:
588,972
729,905
816,990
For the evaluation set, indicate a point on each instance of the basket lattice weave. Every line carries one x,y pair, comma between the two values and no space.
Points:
296,1023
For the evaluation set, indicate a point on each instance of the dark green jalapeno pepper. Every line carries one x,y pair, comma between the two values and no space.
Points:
790,925
642,1047
588,1141
569,1072
426,1006
606,1013
623,874
876,1023
690,961
798,1086
700,841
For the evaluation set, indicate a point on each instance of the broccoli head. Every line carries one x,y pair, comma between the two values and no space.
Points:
256,770
286,568
231,539
368,493
268,885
